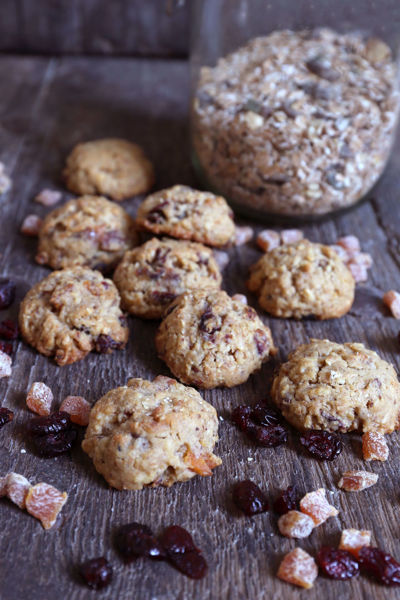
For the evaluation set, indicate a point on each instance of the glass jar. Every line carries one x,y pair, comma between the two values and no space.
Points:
294,102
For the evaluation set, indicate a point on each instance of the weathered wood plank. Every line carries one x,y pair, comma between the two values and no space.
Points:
45,108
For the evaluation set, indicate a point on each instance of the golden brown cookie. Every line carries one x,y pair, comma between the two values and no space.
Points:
70,313
151,433
302,279
338,387
208,339
182,212
152,275
88,231
113,167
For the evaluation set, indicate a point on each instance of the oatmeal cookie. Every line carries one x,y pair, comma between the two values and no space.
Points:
70,313
338,387
182,212
88,231
113,167
151,433
208,339
152,275
302,279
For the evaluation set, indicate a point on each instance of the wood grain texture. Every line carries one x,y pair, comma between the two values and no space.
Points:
119,27
46,106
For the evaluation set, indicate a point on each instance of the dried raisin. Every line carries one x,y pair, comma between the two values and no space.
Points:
249,498
337,564
135,540
97,573
286,501
6,416
324,445
380,565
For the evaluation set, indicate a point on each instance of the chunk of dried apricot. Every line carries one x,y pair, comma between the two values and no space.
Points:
39,398
374,446
316,506
16,488
78,409
354,539
44,502
356,481
299,568
295,524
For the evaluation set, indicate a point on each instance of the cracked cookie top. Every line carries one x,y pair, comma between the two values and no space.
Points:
209,339
70,313
152,275
302,279
182,212
151,433
338,387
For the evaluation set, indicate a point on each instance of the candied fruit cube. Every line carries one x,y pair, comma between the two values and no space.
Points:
316,506
78,409
39,398
295,524
342,252
350,242
5,365
268,239
356,481
359,272
48,197
222,258
16,488
44,502
31,225
243,235
240,298
361,258
354,539
392,301
299,568
291,236
374,446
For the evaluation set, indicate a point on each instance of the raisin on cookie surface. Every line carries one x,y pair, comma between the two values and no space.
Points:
186,213
209,339
88,231
338,387
150,276
112,166
72,312
302,279
152,433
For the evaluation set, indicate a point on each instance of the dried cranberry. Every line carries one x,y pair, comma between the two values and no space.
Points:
156,214
191,564
209,322
265,416
261,341
241,416
176,539
53,424
6,416
337,564
97,573
8,330
106,343
286,501
269,437
263,425
163,297
53,444
249,498
135,540
322,444
380,565
6,347
182,552
7,293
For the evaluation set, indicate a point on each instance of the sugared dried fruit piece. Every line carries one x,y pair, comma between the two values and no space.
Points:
324,445
39,398
48,197
134,540
353,539
291,236
7,293
249,498
356,481
78,409
295,524
243,235
96,573
380,565
299,568
6,415
16,488
359,272
316,506
337,564
268,239
5,365
44,502
350,242
182,552
222,258
240,298
286,501
392,301
374,446
31,225
8,330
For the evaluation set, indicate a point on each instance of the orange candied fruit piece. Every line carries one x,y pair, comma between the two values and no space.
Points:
39,399
268,239
16,488
299,568
354,539
356,481
202,464
295,524
374,446
316,506
44,502
78,409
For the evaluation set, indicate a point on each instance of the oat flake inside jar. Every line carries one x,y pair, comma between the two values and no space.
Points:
294,122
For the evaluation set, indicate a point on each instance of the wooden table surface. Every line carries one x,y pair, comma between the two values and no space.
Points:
46,106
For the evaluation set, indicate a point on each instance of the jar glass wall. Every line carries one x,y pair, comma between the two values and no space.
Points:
294,102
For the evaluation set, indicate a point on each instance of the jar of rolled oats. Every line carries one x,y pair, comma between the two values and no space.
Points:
294,102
